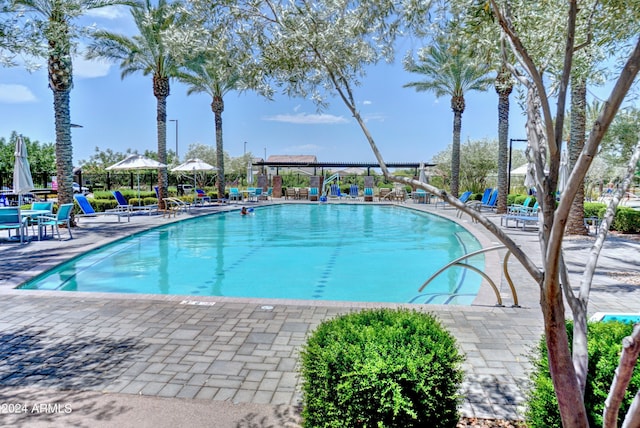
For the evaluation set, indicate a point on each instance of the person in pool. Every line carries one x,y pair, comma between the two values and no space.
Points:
244,211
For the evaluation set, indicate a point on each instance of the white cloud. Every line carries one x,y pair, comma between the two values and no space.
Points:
374,117
89,69
307,119
108,12
367,102
14,94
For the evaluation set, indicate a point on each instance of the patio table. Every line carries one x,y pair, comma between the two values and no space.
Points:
35,215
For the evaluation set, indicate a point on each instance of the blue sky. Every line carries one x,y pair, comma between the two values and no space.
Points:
119,114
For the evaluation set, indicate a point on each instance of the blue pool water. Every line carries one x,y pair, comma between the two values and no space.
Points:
625,318
321,252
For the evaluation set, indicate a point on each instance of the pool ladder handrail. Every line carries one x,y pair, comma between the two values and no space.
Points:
457,262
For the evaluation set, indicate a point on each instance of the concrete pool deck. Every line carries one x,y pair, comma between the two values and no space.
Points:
106,360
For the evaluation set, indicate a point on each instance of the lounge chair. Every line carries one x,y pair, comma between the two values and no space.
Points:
524,217
201,198
353,191
124,205
62,217
11,219
420,196
334,192
493,201
88,211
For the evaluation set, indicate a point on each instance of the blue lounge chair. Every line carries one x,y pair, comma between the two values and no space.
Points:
62,217
524,217
11,219
88,211
124,205
334,192
368,194
353,191
492,202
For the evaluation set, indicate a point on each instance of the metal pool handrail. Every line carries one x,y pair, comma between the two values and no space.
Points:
457,262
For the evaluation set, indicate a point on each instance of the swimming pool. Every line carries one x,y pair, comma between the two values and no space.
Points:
345,252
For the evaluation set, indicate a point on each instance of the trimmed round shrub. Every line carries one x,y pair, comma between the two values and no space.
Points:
604,344
381,368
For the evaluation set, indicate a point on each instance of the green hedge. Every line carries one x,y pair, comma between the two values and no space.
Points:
604,345
381,368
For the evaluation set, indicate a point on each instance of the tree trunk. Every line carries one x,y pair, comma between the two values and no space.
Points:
575,222
64,147
503,88
457,105
161,92
217,106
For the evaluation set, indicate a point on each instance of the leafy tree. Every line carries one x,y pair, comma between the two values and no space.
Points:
450,68
51,22
147,53
480,160
42,159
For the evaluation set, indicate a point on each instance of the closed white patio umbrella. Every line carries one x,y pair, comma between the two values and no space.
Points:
249,173
22,179
563,173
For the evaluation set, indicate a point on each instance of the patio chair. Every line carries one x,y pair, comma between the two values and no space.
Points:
291,193
62,217
303,193
368,194
353,191
493,201
234,194
40,206
257,193
88,211
384,194
11,219
268,195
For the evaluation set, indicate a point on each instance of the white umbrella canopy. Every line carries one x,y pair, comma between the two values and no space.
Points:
194,165
136,162
22,180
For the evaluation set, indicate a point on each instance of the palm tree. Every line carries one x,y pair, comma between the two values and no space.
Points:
147,53
504,86
450,69
56,17
215,76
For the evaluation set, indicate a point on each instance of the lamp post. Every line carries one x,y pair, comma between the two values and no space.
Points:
511,140
245,149
264,167
176,121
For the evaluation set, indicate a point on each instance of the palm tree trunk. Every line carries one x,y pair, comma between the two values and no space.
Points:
161,92
575,221
217,106
455,153
64,147
503,88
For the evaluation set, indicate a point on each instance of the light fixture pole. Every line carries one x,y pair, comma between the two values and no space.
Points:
264,166
176,121
245,149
